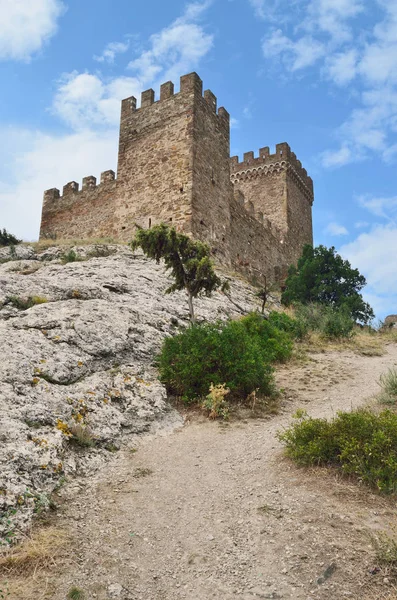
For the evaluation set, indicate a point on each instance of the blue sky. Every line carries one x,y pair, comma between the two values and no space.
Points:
319,74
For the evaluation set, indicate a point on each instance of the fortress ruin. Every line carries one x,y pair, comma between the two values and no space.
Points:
174,167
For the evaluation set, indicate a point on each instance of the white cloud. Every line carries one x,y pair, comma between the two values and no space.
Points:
336,229
337,158
234,123
361,224
111,50
331,17
373,254
366,57
385,207
32,161
295,55
341,67
174,50
259,7
85,99
38,162
26,25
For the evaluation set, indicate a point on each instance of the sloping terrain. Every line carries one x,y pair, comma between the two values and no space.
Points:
215,511
83,357
193,509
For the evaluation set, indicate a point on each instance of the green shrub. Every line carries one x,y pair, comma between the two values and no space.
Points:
75,593
360,443
276,343
7,239
25,303
295,328
330,322
70,256
216,353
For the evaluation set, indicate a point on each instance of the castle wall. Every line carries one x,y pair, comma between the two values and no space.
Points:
155,166
212,188
300,228
174,168
263,181
80,214
280,188
255,246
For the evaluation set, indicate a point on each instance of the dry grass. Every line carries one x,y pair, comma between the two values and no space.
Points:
40,551
362,343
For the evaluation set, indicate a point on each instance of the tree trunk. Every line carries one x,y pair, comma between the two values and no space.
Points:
191,309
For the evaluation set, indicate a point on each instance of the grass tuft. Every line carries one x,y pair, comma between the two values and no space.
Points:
76,593
388,383
39,551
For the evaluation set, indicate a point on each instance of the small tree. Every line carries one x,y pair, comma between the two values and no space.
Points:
7,239
262,294
322,276
188,260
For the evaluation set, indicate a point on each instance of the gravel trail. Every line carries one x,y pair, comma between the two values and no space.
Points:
216,511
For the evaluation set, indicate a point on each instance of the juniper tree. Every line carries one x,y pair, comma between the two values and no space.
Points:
188,261
7,239
322,276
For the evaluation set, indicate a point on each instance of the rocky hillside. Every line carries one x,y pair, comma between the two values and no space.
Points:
77,372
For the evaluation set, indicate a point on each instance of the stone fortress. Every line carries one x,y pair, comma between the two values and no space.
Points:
174,167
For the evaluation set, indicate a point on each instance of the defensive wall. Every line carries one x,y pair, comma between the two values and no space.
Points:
174,167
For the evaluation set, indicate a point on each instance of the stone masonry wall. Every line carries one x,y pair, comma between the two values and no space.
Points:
280,189
255,247
263,182
155,166
87,213
212,188
174,167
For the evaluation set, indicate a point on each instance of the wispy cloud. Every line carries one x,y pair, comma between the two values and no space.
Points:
26,26
336,229
89,104
329,40
175,49
111,50
373,254
90,99
384,207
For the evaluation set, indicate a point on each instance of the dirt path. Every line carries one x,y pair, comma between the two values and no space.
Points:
214,511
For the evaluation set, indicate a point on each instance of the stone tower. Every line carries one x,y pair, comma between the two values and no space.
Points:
280,189
174,167
174,162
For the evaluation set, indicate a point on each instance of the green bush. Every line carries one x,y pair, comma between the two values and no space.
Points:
275,342
70,256
295,328
7,239
25,303
331,322
216,353
359,443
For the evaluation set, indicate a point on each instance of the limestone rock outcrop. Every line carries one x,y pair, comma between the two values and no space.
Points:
77,370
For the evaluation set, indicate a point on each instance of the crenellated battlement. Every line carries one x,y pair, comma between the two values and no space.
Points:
267,164
73,188
250,209
174,167
190,84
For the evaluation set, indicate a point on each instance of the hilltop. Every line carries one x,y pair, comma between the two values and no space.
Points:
156,503
84,350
